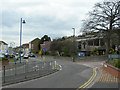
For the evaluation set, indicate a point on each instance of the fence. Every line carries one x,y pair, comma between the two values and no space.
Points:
110,56
27,71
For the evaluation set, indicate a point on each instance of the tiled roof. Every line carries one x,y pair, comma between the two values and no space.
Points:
3,43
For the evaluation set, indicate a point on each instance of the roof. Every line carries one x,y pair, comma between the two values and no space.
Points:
26,45
35,39
84,39
3,43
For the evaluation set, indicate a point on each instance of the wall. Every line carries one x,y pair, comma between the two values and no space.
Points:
111,69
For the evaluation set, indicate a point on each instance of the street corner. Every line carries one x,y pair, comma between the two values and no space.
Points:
107,77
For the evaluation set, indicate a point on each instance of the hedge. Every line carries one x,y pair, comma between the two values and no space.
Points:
3,59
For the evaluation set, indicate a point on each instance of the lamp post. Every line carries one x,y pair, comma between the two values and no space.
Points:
73,44
22,21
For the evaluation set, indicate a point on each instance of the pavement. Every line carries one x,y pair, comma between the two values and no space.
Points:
106,80
107,77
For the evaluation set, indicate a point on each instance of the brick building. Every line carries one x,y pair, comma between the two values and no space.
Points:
34,45
45,45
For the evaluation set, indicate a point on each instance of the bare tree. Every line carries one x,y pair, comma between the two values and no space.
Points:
105,18
63,46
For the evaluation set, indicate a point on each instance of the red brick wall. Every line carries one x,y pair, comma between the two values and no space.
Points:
111,69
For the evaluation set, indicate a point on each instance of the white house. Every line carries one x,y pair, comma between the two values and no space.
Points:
3,47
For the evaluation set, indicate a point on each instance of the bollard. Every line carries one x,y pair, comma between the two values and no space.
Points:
55,65
44,58
50,66
4,72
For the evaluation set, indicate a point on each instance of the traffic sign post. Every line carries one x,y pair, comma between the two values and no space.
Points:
44,49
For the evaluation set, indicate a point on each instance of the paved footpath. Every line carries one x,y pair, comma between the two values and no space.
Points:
106,80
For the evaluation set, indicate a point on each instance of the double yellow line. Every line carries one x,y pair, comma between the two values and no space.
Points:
90,80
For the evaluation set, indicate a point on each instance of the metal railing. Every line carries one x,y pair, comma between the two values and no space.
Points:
26,71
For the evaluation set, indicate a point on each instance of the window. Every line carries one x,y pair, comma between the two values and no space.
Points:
79,45
102,42
84,45
96,42
90,42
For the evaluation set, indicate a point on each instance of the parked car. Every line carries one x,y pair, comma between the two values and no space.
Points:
16,56
32,55
22,55
6,55
26,56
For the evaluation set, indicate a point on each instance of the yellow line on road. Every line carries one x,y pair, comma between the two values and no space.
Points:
95,73
90,80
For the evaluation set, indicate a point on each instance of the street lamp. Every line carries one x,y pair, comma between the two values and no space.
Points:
73,44
22,21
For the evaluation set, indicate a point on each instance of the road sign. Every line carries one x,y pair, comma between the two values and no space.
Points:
44,58
40,53
44,49
30,50
81,54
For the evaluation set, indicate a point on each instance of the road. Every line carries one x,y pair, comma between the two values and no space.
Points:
72,75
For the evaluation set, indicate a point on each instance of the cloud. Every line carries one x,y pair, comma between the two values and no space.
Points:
9,18
55,18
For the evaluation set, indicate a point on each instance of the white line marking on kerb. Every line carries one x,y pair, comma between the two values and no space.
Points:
60,67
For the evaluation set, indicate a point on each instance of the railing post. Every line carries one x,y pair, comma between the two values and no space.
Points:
25,69
15,67
4,73
39,68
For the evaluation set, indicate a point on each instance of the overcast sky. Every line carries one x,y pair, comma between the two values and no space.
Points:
56,18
